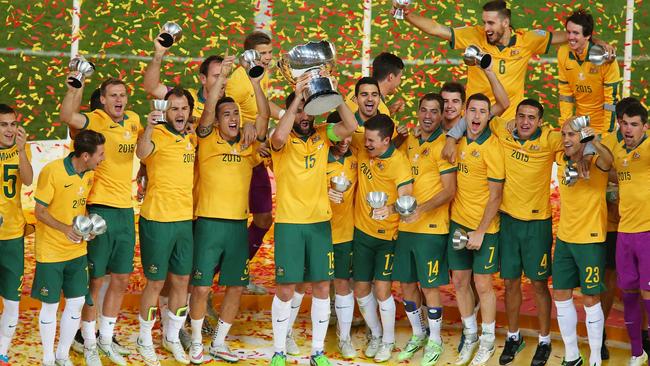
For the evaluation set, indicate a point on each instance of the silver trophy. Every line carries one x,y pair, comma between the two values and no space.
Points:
578,124
460,239
320,95
405,206
570,175
160,105
170,33
377,199
251,57
598,56
474,56
82,69
99,224
82,226
399,11
340,183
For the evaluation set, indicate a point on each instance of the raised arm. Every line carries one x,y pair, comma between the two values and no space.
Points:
208,116
145,145
283,129
263,109
24,167
426,25
69,112
605,157
151,81
502,102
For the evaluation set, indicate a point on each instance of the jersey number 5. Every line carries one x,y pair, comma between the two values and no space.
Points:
9,179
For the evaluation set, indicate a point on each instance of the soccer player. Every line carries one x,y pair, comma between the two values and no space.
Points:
16,171
220,231
110,198
387,69
382,168
303,240
367,99
421,246
586,89
631,160
453,94
165,227
579,257
61,264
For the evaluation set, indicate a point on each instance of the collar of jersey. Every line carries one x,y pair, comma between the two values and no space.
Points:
69,168
534,136
513,40
121,123
358,117
573,56
172,130
645,137
434,135
199,95
332,159
482,137
388,153
304,138
10,147
236,140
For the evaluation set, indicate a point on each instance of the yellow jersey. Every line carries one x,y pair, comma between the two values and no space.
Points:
170,175
300,168
358,136
11,207
113,186
240,89
64,192
343,213
633,173
583,211
199,103
510,63
427,167
479,161
590,88
609,141
384,173
225,169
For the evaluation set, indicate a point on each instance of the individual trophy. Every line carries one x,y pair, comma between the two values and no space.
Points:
99,224
81,69
570,175
460,239
474,56
578,124
376,200
405,206
340,183
598,56
320,95
160,105
251,57
82,226
399,11
170,33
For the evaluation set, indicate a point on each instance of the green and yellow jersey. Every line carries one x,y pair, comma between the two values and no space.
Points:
11,208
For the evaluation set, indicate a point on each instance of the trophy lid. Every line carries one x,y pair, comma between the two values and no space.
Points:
304,57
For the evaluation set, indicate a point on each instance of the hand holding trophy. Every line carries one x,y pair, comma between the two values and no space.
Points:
170,33
80,69
399,7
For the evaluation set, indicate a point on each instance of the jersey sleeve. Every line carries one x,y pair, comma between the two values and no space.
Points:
498,126
444,166
158,142
235,88
538,41
611,85
554,140
93,121
565,96
494,159
461,37
45,186
403,174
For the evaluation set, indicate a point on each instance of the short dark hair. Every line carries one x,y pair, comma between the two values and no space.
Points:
95,100
433,96
622,104
108,82
86,141
384,64
478,96
6,109
583,18
637,109
454,87
289,100
365,80
205,65
221,101
256,38
334,117
381,123
178,91
499,6
533,103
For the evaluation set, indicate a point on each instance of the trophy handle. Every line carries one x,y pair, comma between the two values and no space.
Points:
77,80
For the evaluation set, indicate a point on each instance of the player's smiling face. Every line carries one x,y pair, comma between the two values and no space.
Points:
577,41
495,27
8,126
303,124
477,116
429,116
228,120
570,139
633,130
114,101
179,112
368,100
375,145
527,121
453,105
266,54
92,161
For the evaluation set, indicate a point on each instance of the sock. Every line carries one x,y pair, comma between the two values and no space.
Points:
255,239
595,322
567,320
280,313
487,330
8,324
513,335
470,327
633,319
545,339
434,316
368,308
145,331
220,333
197,325
320,319
174,325
106,329
296,301
387,313
70,320
102,293
414,314
163,304
88,333
344,307
47,329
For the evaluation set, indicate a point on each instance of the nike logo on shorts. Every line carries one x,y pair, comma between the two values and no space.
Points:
488,267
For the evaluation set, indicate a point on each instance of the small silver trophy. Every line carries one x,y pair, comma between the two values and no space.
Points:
340,183
598,56
474,56
320,95
570,175
578,124
81,69
170,33
405,206
251,57
99,224
82,226
460,239
160,105
399,11
376,199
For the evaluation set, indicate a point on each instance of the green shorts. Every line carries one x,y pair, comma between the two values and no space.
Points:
482,261
222,243
303,252
165,246
579,265
343,260
12,265
112,251
421,258
71,276
372,258
525,245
